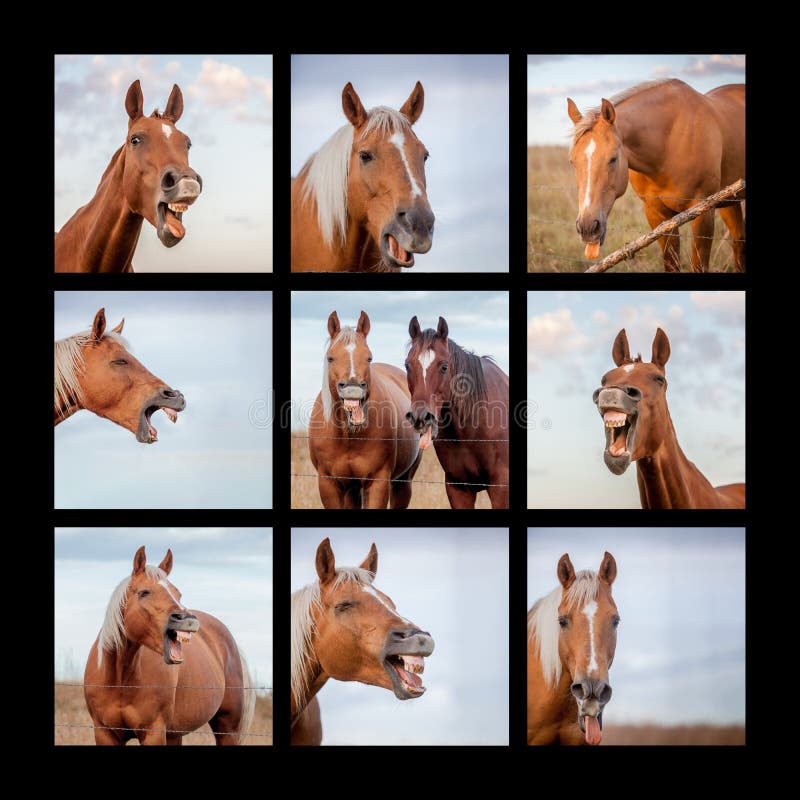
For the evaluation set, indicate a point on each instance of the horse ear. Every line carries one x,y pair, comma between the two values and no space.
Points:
139,561
326,564
99,325
352,107
119,327
574,114
660,349
414,329
565,571
334,326
363,324
441,329
370,563
607,111
166,563
608,569
174,107
621,351
412,108
134,101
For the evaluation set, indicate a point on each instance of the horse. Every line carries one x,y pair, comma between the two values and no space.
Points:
676,146
158,671
148,178
632,400
572,636
364,450
94,371
346,629
360,203
460,402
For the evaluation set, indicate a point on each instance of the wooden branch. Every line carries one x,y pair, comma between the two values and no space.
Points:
627,251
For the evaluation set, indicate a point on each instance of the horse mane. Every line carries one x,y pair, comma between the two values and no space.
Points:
589,118
326,171
346,336
112,635
304,601
543,624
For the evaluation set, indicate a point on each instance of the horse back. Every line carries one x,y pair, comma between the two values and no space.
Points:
733,494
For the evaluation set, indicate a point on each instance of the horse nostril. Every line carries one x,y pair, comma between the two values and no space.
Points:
168,180
363,384
633,393
595,396
602,691
401,213
578,692
596,226
177,616
168,393
410,417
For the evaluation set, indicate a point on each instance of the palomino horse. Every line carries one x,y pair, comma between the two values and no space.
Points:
572,635
359,204
95,371
149,178
676,146
632,401
346,629
364,450
460,401
158,671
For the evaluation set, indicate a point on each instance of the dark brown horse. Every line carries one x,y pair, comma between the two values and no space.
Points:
149,178
460,401
364,450
158,671
632,401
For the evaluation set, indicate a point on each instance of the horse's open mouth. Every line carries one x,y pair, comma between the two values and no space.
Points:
170,225
355,412
176,636
394,254
404,672
592,727
620,427
146,432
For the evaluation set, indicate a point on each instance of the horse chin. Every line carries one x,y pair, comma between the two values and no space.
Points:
393,253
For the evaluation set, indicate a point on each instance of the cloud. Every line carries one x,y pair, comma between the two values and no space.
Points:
553,333
601,88
727,308
226,86
713,65
547,58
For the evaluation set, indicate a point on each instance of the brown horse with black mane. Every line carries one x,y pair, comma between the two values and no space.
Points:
359,204
677,147
632,401
158,671
148,178
346,629
460,401
94,371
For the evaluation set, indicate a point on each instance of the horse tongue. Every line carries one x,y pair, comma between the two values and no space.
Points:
396,250
593,732
174,224
356,412
425,440
409,678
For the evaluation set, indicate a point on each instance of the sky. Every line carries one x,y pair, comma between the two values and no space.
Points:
680,593
589,78
227,115
477,321
432,576
226,572
464,126
215,347
570,335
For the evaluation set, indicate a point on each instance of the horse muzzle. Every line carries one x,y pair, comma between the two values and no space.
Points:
178,191
618,406
410,231
171,401
424,422
404,660
180,627
591,227
591,697
353,395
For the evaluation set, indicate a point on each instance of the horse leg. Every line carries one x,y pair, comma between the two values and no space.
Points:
401,488
702,239
460,496
225,726
498,493
657,213
103,737
376,492
352,497
330,493
174,739
156,735
734,220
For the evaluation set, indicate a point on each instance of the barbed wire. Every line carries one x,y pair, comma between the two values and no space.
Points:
149,686
391,439
155,730
394,480
553,187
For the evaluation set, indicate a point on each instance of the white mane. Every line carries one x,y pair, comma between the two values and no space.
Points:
326,171
543,624
304,601
347,336
112,634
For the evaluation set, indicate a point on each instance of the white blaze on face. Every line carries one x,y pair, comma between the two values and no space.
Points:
589,610
425,359
628,367
167,129
169,592
351,349
399,140
587,195
369,590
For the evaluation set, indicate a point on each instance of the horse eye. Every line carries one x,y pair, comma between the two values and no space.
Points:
369,359
613,161
444,368
330,359
426,156
615,621
144,593
603,381
188,144
344,606
135,140
407,366
365,156
119,362
562,621
659,379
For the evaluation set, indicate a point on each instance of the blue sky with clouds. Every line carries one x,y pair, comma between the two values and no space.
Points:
477,321
589,78
227,115
216,347
452,583
570,335
464,125
680,592
226,572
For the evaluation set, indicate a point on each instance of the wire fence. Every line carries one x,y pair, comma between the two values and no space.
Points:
391,439
158,730
156,686
394,480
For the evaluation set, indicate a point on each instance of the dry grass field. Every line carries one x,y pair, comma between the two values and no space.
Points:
424,495
673,735
554,245
71,708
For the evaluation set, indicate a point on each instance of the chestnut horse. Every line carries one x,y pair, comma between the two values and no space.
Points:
148,178
632,401
346,629
158,671
363,449
572,635
676,146
95,371
460,401
359,204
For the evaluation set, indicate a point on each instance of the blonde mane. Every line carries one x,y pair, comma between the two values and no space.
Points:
345,336
304,602
543,624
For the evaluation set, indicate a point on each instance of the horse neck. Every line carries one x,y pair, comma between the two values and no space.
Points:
314,678
645,146
65,410
122,666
